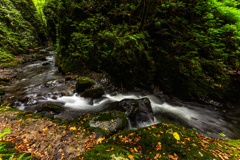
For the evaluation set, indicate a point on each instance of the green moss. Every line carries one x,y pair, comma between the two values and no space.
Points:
104,117
53,107
93,93
57,120
25,115
83,83
8,65
50,117
149,141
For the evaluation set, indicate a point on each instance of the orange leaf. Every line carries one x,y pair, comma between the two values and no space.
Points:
157,156
44,134
130,156
154,126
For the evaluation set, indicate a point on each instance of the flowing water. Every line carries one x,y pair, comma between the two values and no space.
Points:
41,83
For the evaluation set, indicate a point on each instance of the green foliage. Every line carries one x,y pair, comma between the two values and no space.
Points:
20,29
39,6
185,48
7,152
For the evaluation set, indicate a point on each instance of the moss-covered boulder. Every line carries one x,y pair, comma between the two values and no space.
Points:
51,108
2,92
93,93
167,141
110,121
84,83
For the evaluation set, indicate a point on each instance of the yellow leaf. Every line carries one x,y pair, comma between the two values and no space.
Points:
176,136
130,156
19,120
73,128
135,149
100,140
45,128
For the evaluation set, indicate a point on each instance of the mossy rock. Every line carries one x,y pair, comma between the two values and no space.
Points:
43,52
83,83
93,93
42,58
4,79
28,114
2,92
167,140
52,107
110,121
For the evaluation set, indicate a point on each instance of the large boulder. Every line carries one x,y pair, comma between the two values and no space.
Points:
93,93
110,121
138,110
84,83
49,108
145,110
130,106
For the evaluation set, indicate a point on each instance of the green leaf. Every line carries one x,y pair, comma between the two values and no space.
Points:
221,134
5,131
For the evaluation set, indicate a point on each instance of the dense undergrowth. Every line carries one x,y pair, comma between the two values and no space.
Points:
20,29
185,47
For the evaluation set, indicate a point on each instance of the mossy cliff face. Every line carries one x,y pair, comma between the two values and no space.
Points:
185,48
20,28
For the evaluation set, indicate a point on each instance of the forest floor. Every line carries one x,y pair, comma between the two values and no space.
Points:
43,138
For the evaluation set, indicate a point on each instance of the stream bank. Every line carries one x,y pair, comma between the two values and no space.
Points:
41,83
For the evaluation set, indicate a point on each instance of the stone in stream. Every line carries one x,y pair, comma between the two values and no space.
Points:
138,110
110,121
48,108
93,93
45,63
41,58
43,52
84,83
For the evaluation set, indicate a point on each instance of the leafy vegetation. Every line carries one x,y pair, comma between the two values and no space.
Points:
186,48
20,29
7,149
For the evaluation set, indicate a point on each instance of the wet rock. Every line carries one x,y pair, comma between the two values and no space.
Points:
68,78
46,63
130,106
93,93
50,49
2,92
60,70
145,110
139,110
110,121
43,52
41,58
84,83
51,108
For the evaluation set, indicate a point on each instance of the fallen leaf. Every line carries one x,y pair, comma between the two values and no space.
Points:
130,156
45,128
157,156
73,128
176,136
